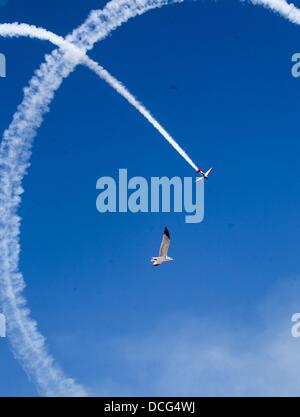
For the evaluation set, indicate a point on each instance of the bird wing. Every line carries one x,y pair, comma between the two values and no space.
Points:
163,251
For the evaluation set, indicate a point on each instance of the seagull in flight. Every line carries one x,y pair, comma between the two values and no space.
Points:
163,251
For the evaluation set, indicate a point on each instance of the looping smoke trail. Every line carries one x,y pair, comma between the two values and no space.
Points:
28,344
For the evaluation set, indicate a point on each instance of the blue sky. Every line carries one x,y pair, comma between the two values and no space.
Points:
90,284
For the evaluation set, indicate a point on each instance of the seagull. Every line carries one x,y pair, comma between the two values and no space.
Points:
163,251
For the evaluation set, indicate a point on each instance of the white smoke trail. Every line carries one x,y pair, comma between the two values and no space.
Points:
101,23
287,10
22,29
123,91
28,344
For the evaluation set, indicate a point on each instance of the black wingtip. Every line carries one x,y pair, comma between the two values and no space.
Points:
166,232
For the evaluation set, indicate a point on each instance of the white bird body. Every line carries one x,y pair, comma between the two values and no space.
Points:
156,261
163,251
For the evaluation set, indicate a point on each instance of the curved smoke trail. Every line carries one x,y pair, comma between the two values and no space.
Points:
287,10
28,344
23,29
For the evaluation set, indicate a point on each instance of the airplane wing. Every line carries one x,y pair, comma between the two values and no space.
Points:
163,251
207,174
199,179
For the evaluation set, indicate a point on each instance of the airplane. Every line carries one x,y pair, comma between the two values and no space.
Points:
163,251
205,175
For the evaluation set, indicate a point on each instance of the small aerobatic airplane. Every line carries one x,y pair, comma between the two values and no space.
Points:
163,251
204,175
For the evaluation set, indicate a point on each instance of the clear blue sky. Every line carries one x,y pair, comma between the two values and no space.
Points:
91,287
